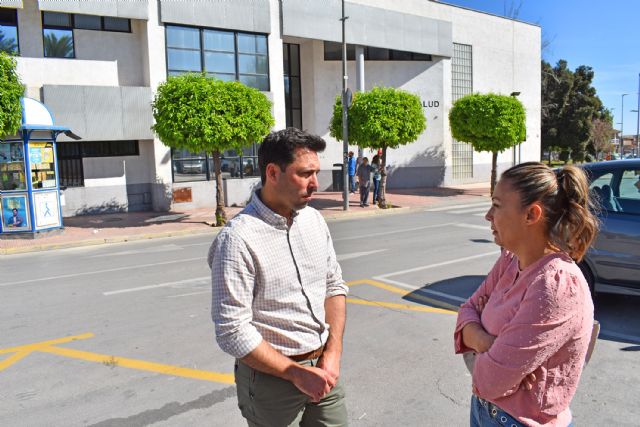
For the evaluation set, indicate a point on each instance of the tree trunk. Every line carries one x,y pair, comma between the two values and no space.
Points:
494,166
221,215
382,197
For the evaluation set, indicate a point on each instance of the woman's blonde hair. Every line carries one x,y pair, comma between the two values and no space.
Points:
565,199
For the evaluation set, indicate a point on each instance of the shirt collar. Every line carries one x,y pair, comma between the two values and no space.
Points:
267,215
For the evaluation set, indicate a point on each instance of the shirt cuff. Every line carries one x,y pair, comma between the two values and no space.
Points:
241,342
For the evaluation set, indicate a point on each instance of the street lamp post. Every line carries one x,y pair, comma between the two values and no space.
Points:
622,126
345,118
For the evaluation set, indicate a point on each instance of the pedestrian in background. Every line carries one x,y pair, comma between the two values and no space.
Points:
377,176
364,181
530,322
351,163
278,300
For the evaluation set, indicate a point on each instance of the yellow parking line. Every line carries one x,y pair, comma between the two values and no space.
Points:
399,306
37,345
140,365
13,359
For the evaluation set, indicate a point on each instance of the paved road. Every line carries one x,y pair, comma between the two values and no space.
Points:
144,351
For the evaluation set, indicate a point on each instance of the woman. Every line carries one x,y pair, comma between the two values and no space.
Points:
530,321
377,175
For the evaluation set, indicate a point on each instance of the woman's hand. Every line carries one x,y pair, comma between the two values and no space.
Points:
474,336
482,303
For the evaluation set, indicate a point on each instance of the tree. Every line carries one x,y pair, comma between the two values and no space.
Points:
58,47
489,123
197,113
381,118
601,134
11,90
569,105
8,45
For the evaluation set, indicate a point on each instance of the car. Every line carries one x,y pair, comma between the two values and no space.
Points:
612,264
193,165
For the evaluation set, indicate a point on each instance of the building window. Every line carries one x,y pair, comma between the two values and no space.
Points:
292,90
199,166
225,55
333,52
71,153
9,31
57,33
461,85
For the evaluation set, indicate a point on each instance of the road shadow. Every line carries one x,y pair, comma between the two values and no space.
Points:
129,219
618,315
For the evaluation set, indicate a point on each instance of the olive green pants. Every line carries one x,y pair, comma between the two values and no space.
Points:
268,401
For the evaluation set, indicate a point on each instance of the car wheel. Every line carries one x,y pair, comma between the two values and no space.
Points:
588,275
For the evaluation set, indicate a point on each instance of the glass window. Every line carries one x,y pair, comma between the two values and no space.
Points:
9,30
117,24
251,43
12,175
55,19
377,54
183,60
258,82
630,185
217,62
43,173
87,22
251,64
188,38
292,92
58,43
218,40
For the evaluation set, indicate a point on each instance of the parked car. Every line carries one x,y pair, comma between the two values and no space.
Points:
190,165
612,265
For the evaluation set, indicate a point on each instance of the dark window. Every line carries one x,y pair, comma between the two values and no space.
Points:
225,55
292,91
98,23
116,24
57,32
199,166
87,22
71,153
9,30
333,52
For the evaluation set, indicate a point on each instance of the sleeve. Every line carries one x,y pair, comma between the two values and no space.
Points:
232,282
335,282
545,321
467,312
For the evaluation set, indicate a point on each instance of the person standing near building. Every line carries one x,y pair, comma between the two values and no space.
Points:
351,163
278,297
364,181
377,176
530,322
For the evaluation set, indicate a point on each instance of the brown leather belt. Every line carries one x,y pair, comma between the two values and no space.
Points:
307,356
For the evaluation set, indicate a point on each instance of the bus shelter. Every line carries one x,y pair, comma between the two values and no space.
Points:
29,184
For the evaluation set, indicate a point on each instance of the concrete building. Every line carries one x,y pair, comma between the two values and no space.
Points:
95,65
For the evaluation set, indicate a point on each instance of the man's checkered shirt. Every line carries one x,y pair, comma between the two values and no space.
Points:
270,281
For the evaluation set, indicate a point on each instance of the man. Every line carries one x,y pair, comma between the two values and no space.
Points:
351,163
15,220
278,300
363,174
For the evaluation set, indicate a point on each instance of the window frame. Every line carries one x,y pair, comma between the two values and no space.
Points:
16,26
58,27
202,51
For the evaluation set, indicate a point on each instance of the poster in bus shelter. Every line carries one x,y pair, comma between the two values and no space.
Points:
15,213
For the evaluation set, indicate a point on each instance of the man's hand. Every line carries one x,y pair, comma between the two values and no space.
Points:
312,381
330,362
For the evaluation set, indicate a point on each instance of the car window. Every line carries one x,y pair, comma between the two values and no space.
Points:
630,184
602,180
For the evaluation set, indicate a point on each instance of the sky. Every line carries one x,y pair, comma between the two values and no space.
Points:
603,35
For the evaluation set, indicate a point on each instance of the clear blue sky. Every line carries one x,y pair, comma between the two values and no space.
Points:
604,35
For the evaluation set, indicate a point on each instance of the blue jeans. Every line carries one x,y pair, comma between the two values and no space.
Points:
376,190
352,183
486,414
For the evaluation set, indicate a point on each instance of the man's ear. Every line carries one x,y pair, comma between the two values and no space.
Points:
273,172
534,213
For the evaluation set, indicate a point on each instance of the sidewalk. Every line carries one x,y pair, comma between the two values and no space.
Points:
122,227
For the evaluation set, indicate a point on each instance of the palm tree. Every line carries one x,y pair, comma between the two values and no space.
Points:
58,47
8,45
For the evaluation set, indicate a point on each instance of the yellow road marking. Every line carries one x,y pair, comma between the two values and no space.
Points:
37,345
13,359
398,306
450,309
141,365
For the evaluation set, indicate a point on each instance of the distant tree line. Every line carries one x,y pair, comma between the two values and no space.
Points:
575,123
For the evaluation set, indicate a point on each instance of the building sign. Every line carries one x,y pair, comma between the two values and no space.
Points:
47,209
430,104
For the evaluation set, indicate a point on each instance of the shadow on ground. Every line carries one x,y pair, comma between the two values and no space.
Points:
129,219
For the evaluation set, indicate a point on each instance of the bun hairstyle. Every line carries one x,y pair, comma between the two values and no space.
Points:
565,199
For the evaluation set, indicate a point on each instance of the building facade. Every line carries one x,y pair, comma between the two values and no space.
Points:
96,64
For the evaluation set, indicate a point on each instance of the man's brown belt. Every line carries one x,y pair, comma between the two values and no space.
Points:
308,356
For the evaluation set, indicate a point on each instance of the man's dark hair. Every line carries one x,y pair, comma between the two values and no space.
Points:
279,147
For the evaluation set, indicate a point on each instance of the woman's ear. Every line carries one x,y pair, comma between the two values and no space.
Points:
534,213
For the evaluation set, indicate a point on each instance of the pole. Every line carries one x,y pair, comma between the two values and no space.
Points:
622,126
345,119
638,122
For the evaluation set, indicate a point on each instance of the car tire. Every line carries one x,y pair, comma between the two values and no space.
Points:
588,275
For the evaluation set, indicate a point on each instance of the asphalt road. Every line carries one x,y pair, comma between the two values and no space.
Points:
144,351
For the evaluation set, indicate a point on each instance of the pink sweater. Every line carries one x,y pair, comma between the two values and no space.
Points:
542,318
